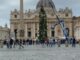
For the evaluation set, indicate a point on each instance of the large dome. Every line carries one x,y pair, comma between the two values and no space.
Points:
45,4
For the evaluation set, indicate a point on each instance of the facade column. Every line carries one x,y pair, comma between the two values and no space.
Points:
12,27
33,31
26,31
18,32
56,31
49,31
70,30
12,31
37,30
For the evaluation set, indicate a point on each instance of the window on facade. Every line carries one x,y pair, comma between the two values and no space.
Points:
52,33
52,14
36,34
29,28
29,34
15,16
35,28
21,33
67,15
67,29
15,31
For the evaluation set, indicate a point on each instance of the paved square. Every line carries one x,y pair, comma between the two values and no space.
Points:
40,53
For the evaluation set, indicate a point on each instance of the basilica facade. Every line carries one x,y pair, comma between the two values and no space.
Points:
25,24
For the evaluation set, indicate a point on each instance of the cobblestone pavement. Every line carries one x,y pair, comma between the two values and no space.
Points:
37,52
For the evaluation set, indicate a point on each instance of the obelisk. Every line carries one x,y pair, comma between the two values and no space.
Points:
21,24
21,15
21,9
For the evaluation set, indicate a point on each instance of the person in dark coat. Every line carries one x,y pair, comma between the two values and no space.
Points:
73,42
46,40
30,41
24,42
4,42
11,43
27,41
21,44
53,41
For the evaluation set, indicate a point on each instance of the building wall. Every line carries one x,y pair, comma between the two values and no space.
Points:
4,33
31,24
28,25
77,28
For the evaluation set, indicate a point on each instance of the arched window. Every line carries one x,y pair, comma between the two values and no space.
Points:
36,34
66,14
15,16
29,33
53,33
15,32
67,29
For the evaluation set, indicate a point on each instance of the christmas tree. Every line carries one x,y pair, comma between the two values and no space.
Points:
42,24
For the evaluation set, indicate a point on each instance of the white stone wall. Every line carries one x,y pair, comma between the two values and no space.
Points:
4,33
32,17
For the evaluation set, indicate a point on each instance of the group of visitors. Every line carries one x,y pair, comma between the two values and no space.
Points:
51,42
11,43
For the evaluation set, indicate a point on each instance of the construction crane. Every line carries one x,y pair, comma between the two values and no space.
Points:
62,24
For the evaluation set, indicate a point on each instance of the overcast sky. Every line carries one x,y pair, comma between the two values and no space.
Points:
7,5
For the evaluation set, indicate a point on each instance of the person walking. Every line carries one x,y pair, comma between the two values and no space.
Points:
21,44
58,42
11,42
50,42
73,42
7,43
46,41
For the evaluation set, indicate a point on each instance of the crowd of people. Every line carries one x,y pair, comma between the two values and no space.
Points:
11,43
